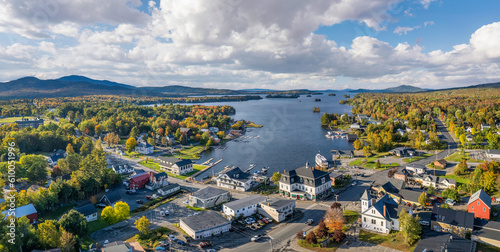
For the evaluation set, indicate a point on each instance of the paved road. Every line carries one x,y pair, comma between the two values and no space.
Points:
364,246
452,145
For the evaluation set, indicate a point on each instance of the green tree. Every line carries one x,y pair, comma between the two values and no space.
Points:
445,206
130,144
151,141
35,167
48,234
74,222
423,199
410,227
275,177
69,149
460,168
142,225
210,142
431,190
366,151
134,132
68,242
358,144
122,210
463,139
108,215
378,164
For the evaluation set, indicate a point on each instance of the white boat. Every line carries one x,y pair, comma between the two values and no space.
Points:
321,161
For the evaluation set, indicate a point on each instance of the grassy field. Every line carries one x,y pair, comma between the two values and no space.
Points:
386,240
155,166
317,247
460,180
486,248
371,162
189,153
432,166
58,212
416,158
350,216
13,119
456,157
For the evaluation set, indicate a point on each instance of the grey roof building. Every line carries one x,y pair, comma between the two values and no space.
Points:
242,207
309,182
205,224
441,242
208,197
451,221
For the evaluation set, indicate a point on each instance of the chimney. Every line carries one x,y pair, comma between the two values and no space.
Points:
268,204
384,210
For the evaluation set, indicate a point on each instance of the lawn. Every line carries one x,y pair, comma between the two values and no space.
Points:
486,248
189,153
57,213
416,158
456,157
371,162
133,155
460,180
386,240
432,166
350,216
155,166
13,119
195,208
317,246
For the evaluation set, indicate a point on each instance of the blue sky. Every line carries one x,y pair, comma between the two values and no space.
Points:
280,44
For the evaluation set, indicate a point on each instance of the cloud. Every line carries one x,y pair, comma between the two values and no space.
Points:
426,3
405,29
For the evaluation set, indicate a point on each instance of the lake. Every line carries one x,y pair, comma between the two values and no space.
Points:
292,134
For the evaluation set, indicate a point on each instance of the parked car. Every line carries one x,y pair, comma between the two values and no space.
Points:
265,221
256,238
149,197
204,244
129,192
450,202
139,201
309,221
181,242
261,223
424,223
256,225
353,183
251,227
173,238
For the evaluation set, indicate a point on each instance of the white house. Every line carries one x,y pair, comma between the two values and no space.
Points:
144,148
400,131
88,211
175,166
169,189
416,168
485,126
235,179
305,183
493,153
58,154
276,208
205,224
243,207
438,182
122,169
381,216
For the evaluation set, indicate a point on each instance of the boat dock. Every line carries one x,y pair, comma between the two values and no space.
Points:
210,165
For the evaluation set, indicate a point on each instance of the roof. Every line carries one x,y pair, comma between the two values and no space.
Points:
248,201
143,145
366,195
112,197
483,196
116,248
415,166
489,230
185,129
169,186
23,210
305,175
435,241
176,161
56,156
204,221
440,180
87,210
237,174
136,247
493,151
453,217
410,195
161,174
335,175
277,203
391,206
208,192
139,176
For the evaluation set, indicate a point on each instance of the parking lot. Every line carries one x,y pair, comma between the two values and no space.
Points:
364,246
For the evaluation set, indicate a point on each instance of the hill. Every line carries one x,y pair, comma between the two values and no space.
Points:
177,90
78,78
398,89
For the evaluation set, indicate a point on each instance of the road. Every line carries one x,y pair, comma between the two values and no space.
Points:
452,145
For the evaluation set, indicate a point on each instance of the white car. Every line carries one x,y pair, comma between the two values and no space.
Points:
424,223
256,238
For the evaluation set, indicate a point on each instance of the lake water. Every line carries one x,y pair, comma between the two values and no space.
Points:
292,134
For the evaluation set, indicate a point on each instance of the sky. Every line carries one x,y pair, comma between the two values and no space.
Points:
237,44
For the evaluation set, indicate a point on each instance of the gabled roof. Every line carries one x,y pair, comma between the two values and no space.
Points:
237,174
306,176
140,176
87,210
143,145
161,174
23,210
276,203
434,241
483,196
208,192
493,151
391,207
245,202
410,195
111,198
176,161
453,217
366,196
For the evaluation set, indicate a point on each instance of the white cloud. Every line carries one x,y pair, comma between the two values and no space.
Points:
426,3
405,29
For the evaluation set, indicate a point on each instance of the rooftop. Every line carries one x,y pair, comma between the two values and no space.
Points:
248,201
208,192
277,203
23,210
453,217
434,241
204,220
483,196
87,209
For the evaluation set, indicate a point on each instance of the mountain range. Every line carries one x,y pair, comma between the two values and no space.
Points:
75,85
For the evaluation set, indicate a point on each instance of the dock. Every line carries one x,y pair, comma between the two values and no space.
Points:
204,169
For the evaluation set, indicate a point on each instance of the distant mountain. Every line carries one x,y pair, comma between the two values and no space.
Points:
78,78
176,89
398,89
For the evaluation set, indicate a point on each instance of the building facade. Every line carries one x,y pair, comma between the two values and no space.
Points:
144,148
480,205
235,179
205,224
381,216
175,166
276,208
451,221
243,207
208,197
305,183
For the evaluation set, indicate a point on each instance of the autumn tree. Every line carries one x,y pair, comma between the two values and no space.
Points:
275,177
142,224
410,227
311,238
122,210
130,144
423,199
48,234
460,168
68,242
108,215
134,132
111,139
69,149
358,144
322,230
334,217
300,235
338,235
488,181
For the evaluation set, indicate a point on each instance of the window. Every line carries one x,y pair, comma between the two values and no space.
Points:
478,203
472,207
364,219
381,223
374,222
484,209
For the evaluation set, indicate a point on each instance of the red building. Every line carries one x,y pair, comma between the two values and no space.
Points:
28,210
480,205
139,181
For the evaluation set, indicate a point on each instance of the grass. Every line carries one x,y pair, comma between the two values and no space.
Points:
155,166
253,125
152,240
56,213
460,179
195,208
371,162
97,224
317,246
456,157
432,166
13,119
133,155
486,248
417,158
350,216
189,153
386,240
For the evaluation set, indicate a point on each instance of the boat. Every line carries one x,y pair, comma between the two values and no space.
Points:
321,161
264,170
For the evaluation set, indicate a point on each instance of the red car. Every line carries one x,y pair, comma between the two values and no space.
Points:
265,221
149,197
439,199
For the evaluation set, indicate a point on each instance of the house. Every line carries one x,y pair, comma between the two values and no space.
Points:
205,224
110,199
214,130
58,154
186,131
120,246
27,210
342,154
400,131
157,180
362,117
170,139
335,177
122,169
469,138
204,130
89,211
235,179
468,129
401,174
136,247
480,205
438,182
381,216
403,152
451,221
352,137
140,180
488,233
416,168
26,123
493,153
168,190
406,197
385,185
485,126
208,197
144,148
243,207
175,165
276,208
440,163
305,183
355,126
433,241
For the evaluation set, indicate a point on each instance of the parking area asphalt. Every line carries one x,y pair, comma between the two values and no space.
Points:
364,246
